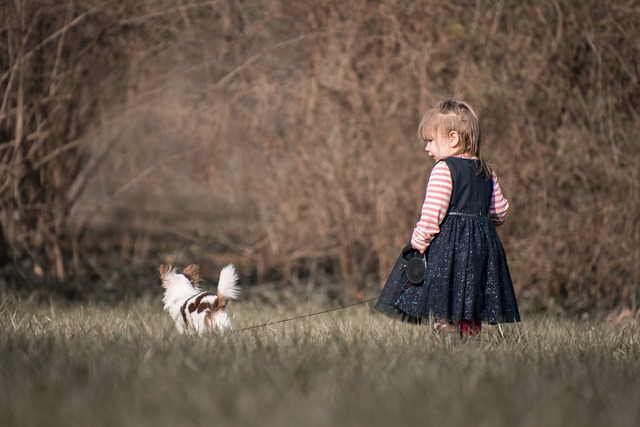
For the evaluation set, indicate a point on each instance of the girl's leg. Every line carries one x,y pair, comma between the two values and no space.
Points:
470,328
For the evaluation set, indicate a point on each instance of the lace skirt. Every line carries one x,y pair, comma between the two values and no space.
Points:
467,278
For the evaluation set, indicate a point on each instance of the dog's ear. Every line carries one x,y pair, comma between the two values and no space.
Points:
164,269
192,272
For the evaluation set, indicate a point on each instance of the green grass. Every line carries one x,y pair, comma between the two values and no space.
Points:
126,366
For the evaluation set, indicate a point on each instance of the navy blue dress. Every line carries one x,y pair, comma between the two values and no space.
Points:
467,276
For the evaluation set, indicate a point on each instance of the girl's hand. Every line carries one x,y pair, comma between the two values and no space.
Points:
420,249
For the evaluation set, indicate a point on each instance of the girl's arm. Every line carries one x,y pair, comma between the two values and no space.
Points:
499,205
434,208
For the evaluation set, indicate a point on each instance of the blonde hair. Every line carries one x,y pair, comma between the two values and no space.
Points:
451,115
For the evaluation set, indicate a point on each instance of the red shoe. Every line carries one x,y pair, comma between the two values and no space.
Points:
470,328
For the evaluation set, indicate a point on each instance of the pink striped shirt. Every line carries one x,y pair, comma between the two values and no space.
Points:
436,205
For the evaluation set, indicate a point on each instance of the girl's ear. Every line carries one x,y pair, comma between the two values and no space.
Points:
454,138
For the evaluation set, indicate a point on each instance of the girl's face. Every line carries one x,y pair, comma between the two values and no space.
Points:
440,146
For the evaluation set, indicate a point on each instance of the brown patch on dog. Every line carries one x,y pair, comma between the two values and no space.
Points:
208,306
201,306
223,302
208,318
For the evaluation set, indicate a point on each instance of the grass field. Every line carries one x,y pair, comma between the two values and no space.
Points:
126,366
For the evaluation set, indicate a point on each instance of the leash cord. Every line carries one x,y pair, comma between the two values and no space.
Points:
306,315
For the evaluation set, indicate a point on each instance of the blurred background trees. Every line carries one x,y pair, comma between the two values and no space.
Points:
281,136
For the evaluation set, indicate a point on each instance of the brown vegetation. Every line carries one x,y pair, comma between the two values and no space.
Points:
282,135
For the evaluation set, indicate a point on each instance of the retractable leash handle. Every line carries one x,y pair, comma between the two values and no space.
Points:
415,267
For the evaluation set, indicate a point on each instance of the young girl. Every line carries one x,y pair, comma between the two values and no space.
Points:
467,278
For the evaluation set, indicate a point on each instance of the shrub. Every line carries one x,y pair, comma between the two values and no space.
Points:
283,137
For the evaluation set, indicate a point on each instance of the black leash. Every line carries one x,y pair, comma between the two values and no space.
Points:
267,323
262,325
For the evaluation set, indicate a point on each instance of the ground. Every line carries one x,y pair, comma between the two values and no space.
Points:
63,364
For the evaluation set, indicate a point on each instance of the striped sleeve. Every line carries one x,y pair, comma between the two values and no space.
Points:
499,204
435,206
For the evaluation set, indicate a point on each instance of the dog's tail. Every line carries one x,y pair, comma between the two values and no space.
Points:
228,285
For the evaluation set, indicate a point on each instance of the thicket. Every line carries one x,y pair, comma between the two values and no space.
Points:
282,136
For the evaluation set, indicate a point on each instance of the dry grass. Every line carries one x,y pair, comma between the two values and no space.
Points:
93,366
283,137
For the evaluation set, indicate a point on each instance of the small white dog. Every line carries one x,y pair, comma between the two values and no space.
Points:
192,309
